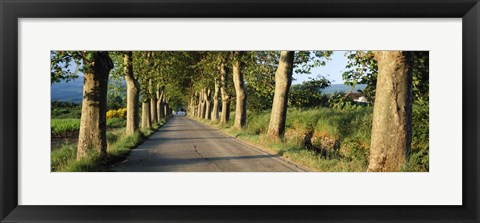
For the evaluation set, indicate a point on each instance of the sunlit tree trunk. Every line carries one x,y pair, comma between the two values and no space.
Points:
392,112
160,105
283,80
240,93
146,122
93,126
224,117
207,104
153,103
215,101
133,95
203,104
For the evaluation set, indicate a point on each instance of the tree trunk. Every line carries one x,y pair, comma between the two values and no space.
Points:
146,122
160,111
199,106
392,112
203,103
207,104
165,109
215,101
240,92
133,95
283,80
93,122
153,103
225,100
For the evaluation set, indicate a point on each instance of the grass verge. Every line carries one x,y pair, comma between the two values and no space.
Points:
118,147
326,139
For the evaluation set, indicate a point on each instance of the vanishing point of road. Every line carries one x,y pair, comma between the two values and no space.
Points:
185,145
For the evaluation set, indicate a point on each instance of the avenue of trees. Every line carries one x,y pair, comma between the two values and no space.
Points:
210,84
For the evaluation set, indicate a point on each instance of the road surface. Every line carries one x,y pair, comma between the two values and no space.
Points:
184,145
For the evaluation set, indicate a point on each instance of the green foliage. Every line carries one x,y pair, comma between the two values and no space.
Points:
60,109
60,157
308,94
421,76
343,101
116,123
65,65
362,68
419,155
61,126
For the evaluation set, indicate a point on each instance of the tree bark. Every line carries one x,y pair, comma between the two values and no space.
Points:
392,112
283,80
214,115
225,98
203,104
133,95
146,122
93,122
153,103
207,104
160,111
240,93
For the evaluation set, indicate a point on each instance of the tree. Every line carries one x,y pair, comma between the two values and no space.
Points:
283,80
224,117
92,136
143,67
392,113
214,115
153,101
240,92
133,95
308,94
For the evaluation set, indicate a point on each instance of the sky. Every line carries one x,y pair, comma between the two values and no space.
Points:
332,70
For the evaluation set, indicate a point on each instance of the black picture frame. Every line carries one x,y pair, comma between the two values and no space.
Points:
11,11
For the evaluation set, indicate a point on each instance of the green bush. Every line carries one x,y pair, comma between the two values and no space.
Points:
116,123
60,109
62,126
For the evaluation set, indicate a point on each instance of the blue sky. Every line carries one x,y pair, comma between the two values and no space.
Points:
332,70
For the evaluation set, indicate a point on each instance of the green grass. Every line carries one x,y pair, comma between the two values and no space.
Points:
116,123
64,110
328,140
118,147
67,125
60,126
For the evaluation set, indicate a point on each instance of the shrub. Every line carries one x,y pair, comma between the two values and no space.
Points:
60,109
119,113
116,123
63,126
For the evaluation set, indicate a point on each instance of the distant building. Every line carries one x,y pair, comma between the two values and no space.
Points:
362,99
358,97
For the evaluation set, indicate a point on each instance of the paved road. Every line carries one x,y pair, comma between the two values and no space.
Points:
184,145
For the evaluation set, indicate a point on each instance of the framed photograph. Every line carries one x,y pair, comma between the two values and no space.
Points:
228,111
